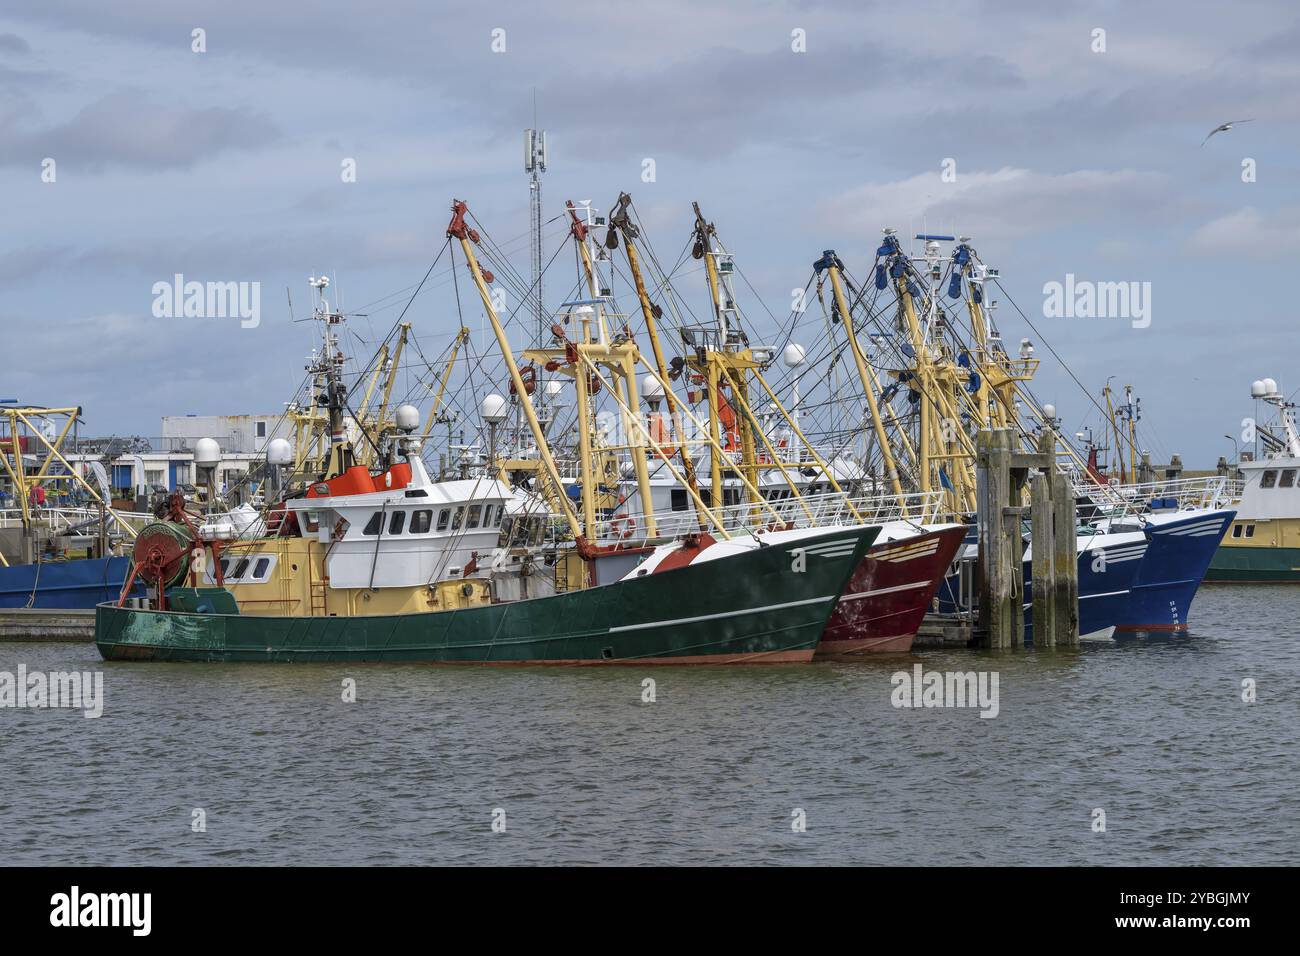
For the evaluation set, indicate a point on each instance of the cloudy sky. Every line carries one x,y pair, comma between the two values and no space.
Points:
225,165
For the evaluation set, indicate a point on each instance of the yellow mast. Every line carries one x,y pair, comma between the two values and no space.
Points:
374,381
459,230
619,220
436,408
625,386
1114,430
392,377
941,439
734,364
1131,415
867,375
724,359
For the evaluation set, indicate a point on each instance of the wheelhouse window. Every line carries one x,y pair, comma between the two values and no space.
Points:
240,568
420,521
1236,531
1250,531
372,526
1288,479
679,499
1268,479
474,512
444,516
396,522
259,570
458,518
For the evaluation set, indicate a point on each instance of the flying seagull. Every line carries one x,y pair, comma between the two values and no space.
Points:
1224,128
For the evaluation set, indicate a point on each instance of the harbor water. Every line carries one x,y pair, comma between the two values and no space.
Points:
268,764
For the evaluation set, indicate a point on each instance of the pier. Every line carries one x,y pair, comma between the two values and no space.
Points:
25,625
1005,475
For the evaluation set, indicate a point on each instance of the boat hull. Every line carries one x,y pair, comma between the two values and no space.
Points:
1107,575
888,595
66,585
1254,565
765,606
1179,554
1107,569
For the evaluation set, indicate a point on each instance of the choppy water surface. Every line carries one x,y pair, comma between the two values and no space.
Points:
1154,733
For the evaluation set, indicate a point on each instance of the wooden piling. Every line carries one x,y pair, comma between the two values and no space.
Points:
1003,473
1066,607
1001,617
1044,562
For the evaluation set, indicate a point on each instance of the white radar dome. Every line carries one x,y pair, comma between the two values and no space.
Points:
407,417
207,453
279,452
493,409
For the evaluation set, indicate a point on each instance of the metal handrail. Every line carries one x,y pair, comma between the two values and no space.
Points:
1212,491
808,511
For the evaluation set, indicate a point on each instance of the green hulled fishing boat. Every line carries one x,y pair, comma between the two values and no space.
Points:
766,605
375,560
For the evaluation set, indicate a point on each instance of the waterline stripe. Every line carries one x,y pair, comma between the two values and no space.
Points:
898,587
714,617
1083,596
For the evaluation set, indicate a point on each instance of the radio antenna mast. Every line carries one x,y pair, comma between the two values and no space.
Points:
535,165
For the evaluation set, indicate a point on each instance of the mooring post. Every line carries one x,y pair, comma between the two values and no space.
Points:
1067,561
997,608
1045,565
1043,542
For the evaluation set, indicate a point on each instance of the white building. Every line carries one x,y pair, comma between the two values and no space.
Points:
169,462
235,433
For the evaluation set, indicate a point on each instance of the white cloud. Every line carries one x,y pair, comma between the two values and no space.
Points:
1008,203
1247,228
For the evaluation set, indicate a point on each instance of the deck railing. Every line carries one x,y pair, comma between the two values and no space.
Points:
1213,491
73,520
809,511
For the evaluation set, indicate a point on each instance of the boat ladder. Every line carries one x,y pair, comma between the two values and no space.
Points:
318,606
